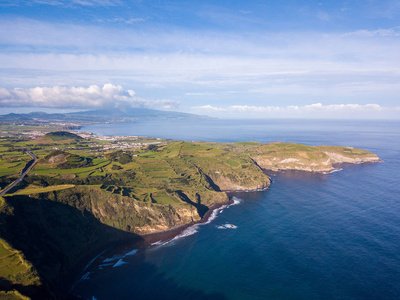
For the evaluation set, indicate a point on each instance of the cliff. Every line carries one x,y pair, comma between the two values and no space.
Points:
290,156
60,215
340,155
321,159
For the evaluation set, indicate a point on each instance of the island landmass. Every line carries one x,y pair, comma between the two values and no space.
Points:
86,192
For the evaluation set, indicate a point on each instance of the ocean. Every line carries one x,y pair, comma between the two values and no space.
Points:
308,236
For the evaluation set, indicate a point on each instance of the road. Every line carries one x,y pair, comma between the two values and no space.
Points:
32,163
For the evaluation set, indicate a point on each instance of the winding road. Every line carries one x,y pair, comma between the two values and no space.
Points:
32,163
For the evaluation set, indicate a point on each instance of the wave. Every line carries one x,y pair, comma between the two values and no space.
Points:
91,261
115,257
131,252
214,214
101,267
236,201
193,229
120,258
119,263
85,276
333,171
157,243
227,226
187,232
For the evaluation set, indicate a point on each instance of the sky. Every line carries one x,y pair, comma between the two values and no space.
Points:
226,59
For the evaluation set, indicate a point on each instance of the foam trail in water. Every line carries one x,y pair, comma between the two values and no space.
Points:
214,215
333,171
227,226
236,201
193,229
157,243
85,276
119,263
131,252
115,257
188,231
90,262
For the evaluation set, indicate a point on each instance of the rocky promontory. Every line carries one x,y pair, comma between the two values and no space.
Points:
321,159
75,202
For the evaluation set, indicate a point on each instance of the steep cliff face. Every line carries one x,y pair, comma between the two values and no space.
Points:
55,230
281,156
339,155
126,213
300,164
54,238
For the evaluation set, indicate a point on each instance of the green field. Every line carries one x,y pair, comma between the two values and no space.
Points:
30,190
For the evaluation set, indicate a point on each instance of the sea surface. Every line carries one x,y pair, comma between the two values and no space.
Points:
308,236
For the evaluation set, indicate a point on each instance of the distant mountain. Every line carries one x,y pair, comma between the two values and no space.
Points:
95,116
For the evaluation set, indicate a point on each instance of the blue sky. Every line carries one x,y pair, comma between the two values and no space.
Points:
229,59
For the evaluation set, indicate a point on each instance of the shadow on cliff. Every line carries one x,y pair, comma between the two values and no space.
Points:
33,291
56,238
201,208
139,280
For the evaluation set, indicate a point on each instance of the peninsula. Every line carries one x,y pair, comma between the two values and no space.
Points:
85,192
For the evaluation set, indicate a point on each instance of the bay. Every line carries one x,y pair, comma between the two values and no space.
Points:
308,236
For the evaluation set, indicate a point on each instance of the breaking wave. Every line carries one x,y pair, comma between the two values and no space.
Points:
193,229
227,226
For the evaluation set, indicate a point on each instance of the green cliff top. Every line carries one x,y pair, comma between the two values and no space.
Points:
85,193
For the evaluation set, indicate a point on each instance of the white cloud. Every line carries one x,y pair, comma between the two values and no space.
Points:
123,20
61,2
389,32
342,107
94,96
209,108
193,66
199,94
312,110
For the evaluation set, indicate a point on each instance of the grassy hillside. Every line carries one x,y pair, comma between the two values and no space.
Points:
62,136
84,194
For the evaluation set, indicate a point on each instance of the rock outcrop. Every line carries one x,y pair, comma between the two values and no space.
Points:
321,159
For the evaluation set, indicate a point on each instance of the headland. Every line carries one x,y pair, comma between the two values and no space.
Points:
87,192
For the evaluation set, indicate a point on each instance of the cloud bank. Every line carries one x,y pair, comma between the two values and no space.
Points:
316,110
94,96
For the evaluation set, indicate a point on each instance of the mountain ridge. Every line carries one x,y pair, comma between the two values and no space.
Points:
115,115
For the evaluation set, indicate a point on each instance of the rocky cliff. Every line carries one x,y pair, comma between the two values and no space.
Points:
289,156
61,216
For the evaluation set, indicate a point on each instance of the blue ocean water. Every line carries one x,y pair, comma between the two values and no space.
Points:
308,236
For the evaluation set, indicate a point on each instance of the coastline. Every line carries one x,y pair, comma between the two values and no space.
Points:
147,240
142,242
166,235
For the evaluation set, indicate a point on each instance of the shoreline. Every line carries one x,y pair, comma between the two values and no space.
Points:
142,242
145,241
166,235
